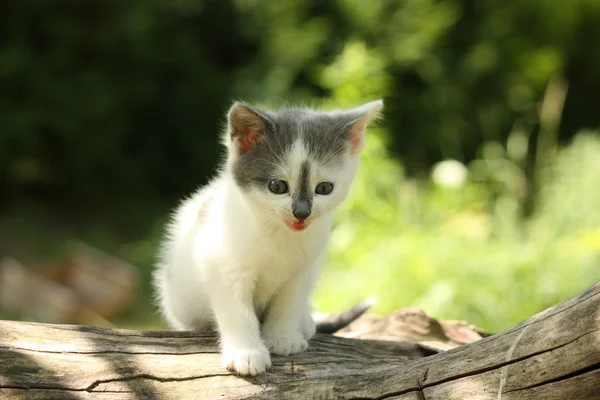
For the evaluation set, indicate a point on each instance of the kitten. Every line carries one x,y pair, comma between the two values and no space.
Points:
242,254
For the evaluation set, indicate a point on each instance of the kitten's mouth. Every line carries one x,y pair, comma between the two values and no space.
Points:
296,225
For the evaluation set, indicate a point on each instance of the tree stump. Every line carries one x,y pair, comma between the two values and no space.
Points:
552,355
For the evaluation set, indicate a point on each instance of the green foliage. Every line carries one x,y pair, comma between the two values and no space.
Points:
462,253
110,111
569,201
456,244
103,100
133,94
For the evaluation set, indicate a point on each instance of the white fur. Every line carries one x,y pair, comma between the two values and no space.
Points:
229,258
239,259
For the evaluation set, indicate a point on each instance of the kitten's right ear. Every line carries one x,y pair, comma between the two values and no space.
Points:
246,126
362,116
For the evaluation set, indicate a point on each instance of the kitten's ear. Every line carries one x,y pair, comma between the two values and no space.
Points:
361,117
246,126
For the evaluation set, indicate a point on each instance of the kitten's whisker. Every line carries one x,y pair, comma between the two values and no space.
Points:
277,155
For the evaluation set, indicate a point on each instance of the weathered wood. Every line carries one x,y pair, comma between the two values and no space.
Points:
553,355
414,326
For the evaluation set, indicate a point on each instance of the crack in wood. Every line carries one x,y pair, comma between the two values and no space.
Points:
105,352
97,383
42,387
574,374
123,333
149,377
506,363
108,352
420,392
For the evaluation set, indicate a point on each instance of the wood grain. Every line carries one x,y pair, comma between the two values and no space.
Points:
552,355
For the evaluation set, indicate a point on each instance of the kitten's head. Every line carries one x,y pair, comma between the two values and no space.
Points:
294,165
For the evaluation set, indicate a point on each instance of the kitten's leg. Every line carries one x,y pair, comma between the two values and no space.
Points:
307,324
288,324
239,328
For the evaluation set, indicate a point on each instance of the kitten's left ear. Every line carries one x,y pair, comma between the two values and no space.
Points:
246,126
361,117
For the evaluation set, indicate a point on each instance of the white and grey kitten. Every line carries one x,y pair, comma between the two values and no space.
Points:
242,254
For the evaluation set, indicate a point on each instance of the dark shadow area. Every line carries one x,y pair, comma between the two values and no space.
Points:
129,374
20,370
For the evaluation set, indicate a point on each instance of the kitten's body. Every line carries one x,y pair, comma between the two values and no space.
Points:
229,237
244,259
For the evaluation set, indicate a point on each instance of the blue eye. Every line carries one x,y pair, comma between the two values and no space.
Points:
324,188
278,187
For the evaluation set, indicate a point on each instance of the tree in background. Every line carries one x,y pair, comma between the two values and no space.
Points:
133,93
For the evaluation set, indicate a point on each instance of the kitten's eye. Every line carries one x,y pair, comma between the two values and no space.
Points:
278,187
324,188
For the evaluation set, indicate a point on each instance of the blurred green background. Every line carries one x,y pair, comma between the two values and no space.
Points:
479,193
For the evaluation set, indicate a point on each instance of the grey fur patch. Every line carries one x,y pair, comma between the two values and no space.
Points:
325,135
302,202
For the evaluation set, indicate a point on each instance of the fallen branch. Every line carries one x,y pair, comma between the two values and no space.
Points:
553,355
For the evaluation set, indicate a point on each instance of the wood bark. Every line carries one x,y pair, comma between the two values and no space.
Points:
552,355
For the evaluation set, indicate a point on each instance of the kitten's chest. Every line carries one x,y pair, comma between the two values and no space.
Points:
275,263
277,260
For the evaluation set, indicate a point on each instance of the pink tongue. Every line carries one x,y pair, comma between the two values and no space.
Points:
298,226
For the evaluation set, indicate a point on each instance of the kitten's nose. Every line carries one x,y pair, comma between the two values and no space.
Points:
301,211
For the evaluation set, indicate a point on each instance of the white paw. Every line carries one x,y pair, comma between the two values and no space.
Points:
251,361
284,343
308,327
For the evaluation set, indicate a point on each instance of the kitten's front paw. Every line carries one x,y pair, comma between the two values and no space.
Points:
284,343
251,361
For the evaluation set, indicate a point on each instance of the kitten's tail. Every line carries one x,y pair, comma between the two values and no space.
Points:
330,324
